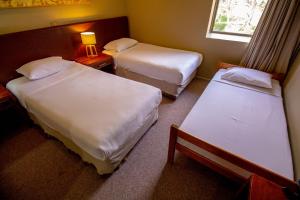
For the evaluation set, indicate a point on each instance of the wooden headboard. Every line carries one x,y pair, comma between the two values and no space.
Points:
22,47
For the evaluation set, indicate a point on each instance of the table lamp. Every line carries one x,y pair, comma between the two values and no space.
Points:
89,39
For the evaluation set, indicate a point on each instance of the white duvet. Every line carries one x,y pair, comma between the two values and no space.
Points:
99,112
244,120
171,65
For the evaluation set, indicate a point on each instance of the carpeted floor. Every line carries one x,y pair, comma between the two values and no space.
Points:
34,166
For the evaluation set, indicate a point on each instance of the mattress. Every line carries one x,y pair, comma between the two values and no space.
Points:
161,63
97,111
246,121
102,166
169,89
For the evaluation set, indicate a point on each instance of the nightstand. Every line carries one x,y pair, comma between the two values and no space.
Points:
102,62
12,114
260,188
5,98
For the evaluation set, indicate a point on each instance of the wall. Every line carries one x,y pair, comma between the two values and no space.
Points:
18,19
292,100
181,24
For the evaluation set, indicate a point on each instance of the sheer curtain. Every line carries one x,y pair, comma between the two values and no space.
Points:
275,41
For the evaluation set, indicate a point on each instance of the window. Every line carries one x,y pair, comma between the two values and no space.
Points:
237,17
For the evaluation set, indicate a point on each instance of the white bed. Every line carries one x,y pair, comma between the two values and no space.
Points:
98,115
171,70
245,121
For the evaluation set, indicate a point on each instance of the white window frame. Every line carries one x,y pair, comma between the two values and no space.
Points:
212,22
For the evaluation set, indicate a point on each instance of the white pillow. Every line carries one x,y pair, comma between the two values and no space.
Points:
248,76
44,67
120,44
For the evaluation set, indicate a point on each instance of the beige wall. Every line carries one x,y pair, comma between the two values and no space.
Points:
18,19
181,24
172,23
292,105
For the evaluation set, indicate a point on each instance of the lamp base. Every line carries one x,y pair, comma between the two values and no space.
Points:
91,50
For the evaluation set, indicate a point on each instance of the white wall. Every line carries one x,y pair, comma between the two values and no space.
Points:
181,24
19,19
292,105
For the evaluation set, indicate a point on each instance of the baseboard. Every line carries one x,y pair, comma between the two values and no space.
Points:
204,78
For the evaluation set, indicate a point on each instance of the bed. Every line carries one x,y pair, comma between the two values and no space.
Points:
98,115
237,129
171,70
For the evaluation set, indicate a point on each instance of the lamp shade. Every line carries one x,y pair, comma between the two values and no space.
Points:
88,38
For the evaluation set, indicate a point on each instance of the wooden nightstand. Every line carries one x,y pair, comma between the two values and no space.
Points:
102,62
260,188
12,114
5,98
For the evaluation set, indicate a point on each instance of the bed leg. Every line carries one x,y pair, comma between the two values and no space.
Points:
172,143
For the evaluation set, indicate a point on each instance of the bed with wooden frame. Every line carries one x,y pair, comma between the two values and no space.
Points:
232,165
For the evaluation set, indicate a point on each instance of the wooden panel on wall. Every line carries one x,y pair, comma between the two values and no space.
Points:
22,47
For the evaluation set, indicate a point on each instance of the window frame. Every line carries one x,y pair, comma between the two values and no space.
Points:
215,9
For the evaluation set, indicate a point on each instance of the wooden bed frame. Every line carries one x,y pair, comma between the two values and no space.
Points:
176,133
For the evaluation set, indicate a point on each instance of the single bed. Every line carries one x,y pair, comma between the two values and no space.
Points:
97,115
171,70
237,129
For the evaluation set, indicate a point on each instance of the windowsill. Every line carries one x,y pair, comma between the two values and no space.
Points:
236,38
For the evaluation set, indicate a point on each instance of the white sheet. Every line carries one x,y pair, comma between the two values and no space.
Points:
171,65
99,112
245,122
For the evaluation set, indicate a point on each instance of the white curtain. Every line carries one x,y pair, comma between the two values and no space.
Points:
275,41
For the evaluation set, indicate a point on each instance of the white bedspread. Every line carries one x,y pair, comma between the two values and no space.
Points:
244,121
171,65
98,111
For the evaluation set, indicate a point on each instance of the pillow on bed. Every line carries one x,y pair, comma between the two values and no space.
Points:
120,44
38,69
248,76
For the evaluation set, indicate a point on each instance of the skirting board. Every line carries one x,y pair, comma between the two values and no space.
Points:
202,77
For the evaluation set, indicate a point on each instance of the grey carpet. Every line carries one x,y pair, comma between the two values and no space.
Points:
34,166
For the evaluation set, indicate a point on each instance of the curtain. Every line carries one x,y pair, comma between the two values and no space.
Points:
276,38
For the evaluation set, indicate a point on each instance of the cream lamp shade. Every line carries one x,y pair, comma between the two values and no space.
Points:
89,39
